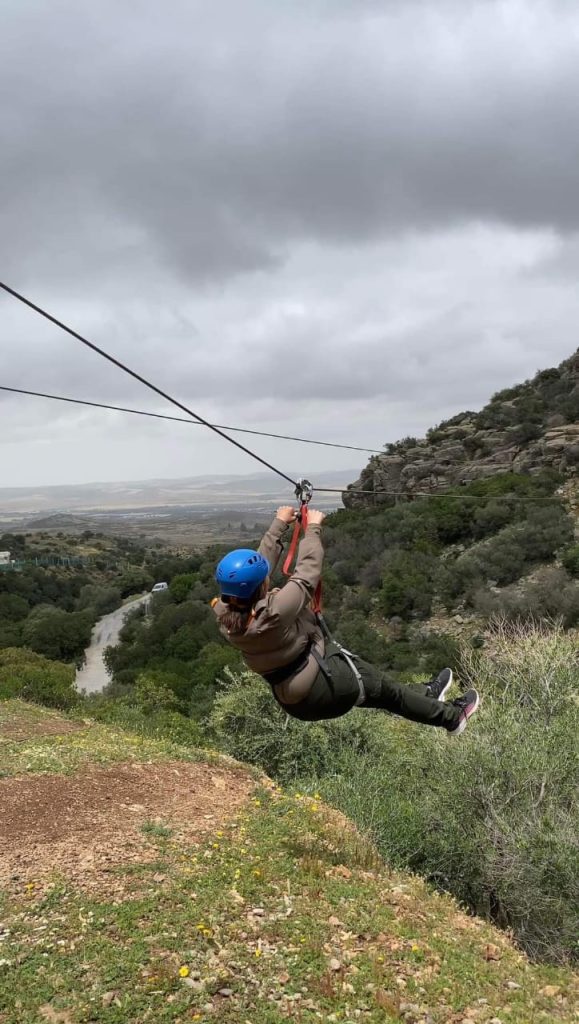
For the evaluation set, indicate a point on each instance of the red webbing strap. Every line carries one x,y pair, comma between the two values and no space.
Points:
302,521
287,565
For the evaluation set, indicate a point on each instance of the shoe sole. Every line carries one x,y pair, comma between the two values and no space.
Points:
464,720
444,692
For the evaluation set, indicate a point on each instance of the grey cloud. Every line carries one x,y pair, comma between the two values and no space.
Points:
355,216
210,141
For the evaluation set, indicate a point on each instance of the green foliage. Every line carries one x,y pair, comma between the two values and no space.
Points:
161,724
550,595
570,560
248,724
207,675
408,586
135,581
403,551
100,599
150,695
13,608
28,675
59,635
181,586
499,830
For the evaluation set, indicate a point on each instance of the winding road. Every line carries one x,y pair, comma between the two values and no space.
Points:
93,676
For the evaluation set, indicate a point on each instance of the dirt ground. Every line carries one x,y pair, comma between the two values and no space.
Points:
89,827
14,728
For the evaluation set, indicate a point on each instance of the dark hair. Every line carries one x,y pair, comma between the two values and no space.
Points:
236,618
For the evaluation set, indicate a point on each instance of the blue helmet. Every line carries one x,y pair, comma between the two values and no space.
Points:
241,572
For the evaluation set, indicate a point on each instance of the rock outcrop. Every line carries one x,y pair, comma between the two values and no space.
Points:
526,429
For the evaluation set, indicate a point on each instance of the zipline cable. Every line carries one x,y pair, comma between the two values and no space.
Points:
181,419
443,495
285,437
142,380
153,387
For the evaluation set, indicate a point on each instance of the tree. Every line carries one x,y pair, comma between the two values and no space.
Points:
208,673
407,588
134,581
181,586
60,635
13,608
101,599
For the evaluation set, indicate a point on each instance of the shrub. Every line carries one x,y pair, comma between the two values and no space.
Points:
28,675
408,587
501,832
570,560
101,599
248,724
59,635
550,595
181,586
13,608
161,724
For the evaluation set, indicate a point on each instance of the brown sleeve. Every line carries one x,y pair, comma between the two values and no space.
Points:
288,602
271,546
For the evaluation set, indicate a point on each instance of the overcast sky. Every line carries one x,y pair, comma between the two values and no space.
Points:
340,218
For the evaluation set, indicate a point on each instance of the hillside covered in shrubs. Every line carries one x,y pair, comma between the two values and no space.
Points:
492,818
526,429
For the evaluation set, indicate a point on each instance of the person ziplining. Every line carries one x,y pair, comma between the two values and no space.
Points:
283,639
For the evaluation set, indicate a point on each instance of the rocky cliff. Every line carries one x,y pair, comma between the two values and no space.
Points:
525,429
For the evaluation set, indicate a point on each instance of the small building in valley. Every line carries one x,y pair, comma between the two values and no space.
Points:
4,558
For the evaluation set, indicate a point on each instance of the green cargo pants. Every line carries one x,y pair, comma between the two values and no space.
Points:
331,698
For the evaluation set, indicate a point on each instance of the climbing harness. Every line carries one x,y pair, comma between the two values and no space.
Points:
304,491
348,657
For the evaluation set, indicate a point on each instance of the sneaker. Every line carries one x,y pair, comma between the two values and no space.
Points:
466,705
439,687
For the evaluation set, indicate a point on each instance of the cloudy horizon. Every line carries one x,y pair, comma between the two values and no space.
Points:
346,220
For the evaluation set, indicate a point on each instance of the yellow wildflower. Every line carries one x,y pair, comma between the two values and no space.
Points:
257,953
184,971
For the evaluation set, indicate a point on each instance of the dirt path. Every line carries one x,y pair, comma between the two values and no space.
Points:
86,826
93,676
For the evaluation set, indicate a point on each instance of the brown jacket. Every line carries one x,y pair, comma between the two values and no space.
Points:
283,624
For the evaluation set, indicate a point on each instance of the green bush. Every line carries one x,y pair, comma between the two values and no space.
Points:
13,608
160,724
552,594
247,723
570,560
28,675
181,586
101,600
501,832
408,585
59,635
490,817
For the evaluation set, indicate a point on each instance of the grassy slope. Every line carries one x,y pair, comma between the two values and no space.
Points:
284,914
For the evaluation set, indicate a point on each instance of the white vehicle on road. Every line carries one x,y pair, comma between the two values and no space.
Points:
159,587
